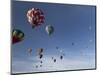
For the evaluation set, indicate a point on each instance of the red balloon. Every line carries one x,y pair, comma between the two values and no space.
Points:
15,40
35,17
17,36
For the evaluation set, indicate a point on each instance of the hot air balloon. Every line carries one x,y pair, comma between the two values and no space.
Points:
40,51
73,44
40,56
29,51
36,66
17,36
54,60
57,47
35,17
61,57
40,65
49,29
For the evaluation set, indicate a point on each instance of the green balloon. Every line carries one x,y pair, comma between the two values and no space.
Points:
49,29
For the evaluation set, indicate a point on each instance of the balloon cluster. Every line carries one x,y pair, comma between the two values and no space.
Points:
36,18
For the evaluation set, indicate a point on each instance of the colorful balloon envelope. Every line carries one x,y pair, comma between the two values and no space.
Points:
49,29
17,36
35,17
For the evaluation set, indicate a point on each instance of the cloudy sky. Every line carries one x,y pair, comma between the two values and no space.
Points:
74,34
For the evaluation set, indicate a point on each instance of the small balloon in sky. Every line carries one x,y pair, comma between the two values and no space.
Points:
61,57
36,66
29,51
57,47
54,60
73,43
40,65
40,51
41,55
49,29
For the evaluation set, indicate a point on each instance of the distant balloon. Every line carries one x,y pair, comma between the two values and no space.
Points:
54,60
35,17
40,51
29,51
40,65
17,36
41,55
57,47
61,57
49,29
73,43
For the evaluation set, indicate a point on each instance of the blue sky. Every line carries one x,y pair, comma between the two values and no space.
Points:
72,24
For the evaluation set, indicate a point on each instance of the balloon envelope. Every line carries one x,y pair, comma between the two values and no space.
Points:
35,17
17,36
54,60
41,55
49,29
61,57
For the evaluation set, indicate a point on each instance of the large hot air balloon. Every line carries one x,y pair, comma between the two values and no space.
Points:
17,36
49,29
36,66
35,17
